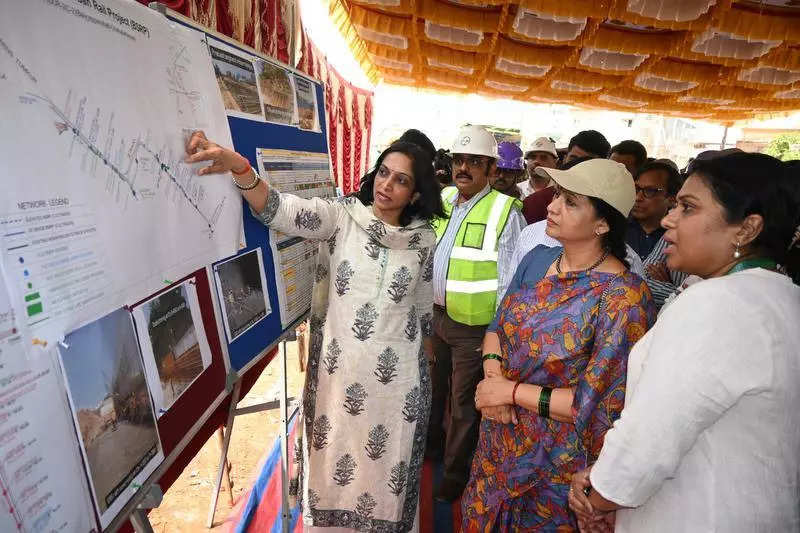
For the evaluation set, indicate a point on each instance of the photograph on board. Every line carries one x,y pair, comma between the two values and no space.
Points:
236,77
111,408
306,104
173,342
277,93
242,289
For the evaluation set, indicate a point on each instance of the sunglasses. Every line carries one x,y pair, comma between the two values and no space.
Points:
472,161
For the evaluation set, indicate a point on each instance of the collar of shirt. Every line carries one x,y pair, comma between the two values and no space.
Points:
472,201
634,224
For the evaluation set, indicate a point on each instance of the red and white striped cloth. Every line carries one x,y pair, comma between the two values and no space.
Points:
349,110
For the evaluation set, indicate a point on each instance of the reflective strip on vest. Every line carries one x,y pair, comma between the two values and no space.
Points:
448,194
471,287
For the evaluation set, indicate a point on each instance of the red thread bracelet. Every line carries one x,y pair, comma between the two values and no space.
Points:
245,171
514,394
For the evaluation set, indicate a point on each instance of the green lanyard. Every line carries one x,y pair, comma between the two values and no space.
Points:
756,262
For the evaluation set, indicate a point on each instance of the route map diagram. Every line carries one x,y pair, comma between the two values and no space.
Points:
100,208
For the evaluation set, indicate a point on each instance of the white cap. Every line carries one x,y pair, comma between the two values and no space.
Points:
475,140
542,144
601,178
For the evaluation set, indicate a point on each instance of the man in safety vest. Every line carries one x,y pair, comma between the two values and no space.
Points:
474,242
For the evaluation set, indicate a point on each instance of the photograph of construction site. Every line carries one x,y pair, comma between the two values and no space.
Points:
111,405
306,104
237,82
243,292
173,342
277,93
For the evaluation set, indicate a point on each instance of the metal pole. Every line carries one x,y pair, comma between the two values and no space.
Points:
227,477
284,427
224,454
724,138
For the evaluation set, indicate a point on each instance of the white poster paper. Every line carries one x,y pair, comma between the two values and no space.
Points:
98,207
236,79
173,341
304,174
242,290
112,410
42,481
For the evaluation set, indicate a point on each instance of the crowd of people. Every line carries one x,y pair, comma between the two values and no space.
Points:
586,339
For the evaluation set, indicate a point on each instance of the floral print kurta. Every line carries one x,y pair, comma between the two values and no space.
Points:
555,334
367,393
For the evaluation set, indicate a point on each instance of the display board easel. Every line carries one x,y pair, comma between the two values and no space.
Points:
251,347
138,302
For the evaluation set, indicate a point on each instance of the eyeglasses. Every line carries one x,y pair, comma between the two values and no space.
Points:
649,192
472,161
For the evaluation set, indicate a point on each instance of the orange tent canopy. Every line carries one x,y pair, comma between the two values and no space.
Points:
715,59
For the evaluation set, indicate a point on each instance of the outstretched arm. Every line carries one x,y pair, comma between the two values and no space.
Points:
313,218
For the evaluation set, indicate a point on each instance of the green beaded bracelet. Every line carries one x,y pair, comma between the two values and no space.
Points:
488,356
544,402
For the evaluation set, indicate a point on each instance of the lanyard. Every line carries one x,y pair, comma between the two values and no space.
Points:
756,262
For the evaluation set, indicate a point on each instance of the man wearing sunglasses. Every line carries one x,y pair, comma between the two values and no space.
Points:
475,242
657,183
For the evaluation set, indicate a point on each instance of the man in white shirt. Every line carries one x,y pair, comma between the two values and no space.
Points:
541,153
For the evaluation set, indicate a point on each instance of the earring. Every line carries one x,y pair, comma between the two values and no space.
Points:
597,232
736,253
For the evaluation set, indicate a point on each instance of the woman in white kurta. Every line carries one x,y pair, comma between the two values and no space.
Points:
709,439
367,393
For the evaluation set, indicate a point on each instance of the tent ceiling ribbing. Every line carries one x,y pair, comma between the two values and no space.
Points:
713,59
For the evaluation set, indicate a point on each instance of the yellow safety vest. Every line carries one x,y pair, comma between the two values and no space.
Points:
471,289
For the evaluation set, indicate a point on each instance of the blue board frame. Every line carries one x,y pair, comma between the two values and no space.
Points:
248,135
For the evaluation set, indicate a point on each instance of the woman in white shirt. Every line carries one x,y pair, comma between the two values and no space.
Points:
709,439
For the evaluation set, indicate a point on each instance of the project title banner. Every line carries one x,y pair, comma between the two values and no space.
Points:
119,19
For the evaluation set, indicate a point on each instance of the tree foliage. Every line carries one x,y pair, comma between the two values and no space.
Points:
785,147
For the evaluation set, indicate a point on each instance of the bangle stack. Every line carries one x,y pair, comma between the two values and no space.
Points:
544,402
494,356
248,187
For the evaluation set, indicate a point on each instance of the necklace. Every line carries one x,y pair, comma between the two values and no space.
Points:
595,265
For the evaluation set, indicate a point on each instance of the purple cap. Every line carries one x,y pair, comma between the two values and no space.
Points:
510,156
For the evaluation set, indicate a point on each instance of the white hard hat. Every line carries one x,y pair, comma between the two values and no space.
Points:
542,144
475,140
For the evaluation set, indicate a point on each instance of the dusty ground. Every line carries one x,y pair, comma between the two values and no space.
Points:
185,505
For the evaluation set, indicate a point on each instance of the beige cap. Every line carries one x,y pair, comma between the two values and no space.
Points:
542,144
601,178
